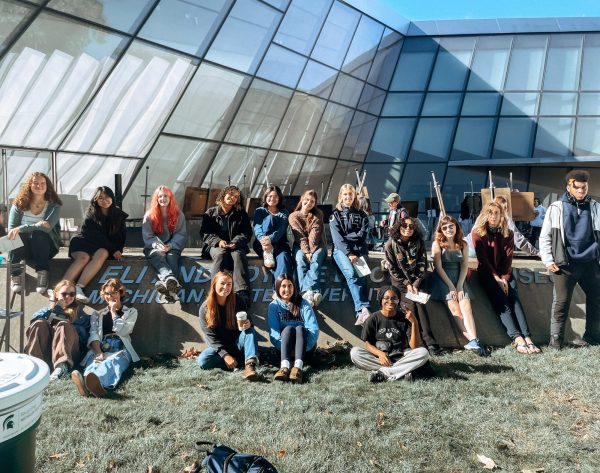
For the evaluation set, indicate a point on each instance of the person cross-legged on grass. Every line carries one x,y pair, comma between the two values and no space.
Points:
110,349
230,342
494,246
164,233
58,333
393,347
293,329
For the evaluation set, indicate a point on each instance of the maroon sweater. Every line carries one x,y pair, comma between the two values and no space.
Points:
494,253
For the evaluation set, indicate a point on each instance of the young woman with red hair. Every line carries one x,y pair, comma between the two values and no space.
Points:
164,233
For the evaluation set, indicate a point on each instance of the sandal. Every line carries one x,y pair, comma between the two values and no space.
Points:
533,349
521,348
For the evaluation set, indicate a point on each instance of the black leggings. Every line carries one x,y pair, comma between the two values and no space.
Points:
292,339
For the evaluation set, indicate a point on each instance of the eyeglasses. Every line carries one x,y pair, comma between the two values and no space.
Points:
109,294
408,226
66,294
445,228
390,299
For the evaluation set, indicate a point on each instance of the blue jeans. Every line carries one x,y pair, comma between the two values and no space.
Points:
38,249
247,346
165,264
283,258
110,370
358,286
308,273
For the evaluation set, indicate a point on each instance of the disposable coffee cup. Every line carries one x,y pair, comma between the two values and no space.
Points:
241,319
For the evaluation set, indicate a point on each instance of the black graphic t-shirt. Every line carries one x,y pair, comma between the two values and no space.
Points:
390,335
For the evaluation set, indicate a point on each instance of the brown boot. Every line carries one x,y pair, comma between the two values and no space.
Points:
282,375
296,375
250,373
93,385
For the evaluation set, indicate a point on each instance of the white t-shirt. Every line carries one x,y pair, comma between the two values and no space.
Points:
30,218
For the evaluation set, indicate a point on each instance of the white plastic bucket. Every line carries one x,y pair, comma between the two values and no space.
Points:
22,380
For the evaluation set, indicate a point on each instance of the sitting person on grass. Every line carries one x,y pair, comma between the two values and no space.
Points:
102,237
110,349
293,329
227,330
393,347
58,333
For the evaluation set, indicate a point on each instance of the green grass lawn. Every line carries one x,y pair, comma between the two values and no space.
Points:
524,412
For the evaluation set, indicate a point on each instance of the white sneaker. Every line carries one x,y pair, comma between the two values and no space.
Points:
308,296
42,282
61,370
172,284
16,283
317,298
80,295
362,316
174,296
268,260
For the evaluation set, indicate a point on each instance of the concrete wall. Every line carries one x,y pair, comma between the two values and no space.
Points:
172,328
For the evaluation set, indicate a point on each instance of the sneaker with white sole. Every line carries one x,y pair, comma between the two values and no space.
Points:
362,316
172,284
377,377
60,371
317,298
161,287
269,260
42,282
309,297
80,295
16,283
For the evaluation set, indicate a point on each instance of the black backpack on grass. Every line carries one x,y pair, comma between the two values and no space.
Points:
223,459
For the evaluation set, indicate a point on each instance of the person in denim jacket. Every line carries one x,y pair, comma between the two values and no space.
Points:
58,333
293,329
34,216
270,230
110,349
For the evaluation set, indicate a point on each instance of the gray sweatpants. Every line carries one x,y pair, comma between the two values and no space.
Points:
411,360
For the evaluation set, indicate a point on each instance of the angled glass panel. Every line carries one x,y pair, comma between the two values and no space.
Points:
416,179
590,65
359,136
514,138
371,100
245,36
301,25
124,16
481,103
260,114
548,183
185,25
11,16
526,63
234,164
335,37
432,139
177,162
347,90
587,139
489,63
459,181
473,138
554,103
344,173
21,163
48,76
441,104
317,79
554,137
283,169
385,59
279,4
381,181
363,47
209,103
589,103
299,123
391,140
452,64
332,130
562,63
282,66
520,103
133,104
402,104
414,65
314,172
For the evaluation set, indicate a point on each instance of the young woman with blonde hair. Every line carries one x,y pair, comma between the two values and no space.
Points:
448,283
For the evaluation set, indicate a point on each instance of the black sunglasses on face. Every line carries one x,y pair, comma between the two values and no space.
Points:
408,226
66,294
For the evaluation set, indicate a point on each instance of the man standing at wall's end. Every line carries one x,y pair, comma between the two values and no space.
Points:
570,249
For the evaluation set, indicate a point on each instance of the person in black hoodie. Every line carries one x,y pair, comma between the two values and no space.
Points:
349,228
102,237
226,233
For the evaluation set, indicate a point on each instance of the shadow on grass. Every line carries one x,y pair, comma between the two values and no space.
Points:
459,370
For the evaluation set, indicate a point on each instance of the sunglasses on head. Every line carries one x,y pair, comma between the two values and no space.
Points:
407,226
67,294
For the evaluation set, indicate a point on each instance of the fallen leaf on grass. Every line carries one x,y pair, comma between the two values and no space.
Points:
535,470
488,463
189,353
191,468
359,444
202,386
505,444
380,419
153,469
281,453
56,456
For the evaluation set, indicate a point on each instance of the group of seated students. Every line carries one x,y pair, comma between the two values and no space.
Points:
398,337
